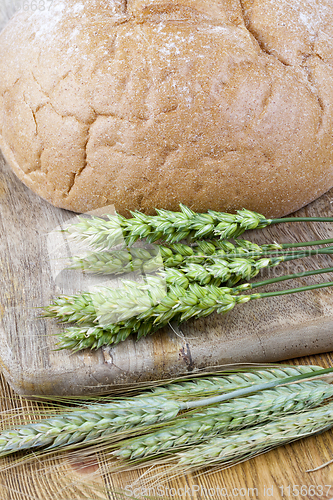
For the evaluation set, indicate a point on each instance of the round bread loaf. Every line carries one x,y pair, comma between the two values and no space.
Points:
218,104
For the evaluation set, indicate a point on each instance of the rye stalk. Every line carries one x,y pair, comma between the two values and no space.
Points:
252,441
225,417
199,387
112,421
90,423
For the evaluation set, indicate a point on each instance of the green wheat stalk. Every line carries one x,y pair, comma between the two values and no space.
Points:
180,254
182,301
106,305
171,226
177,254
112,305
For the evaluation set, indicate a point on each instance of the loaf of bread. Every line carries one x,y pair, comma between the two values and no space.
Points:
218,104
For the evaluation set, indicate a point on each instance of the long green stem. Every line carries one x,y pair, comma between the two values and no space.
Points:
285,252
307,243
307,253
299,219
289,277
293,290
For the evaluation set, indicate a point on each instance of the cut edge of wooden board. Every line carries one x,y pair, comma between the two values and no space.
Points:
310,339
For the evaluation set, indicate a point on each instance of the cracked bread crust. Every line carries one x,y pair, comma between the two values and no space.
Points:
143,104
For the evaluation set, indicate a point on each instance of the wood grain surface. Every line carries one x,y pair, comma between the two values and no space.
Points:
33,255
279,474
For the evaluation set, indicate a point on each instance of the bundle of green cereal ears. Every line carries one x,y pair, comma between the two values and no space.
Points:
181,280
216,419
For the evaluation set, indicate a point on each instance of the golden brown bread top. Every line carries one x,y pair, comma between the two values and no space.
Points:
218,104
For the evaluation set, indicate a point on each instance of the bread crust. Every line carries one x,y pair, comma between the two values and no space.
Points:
140,104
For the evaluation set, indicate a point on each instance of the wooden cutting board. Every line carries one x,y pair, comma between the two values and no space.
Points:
31,255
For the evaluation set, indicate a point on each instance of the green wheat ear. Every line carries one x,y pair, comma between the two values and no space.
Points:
174,255
166,225
172,226
182,301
